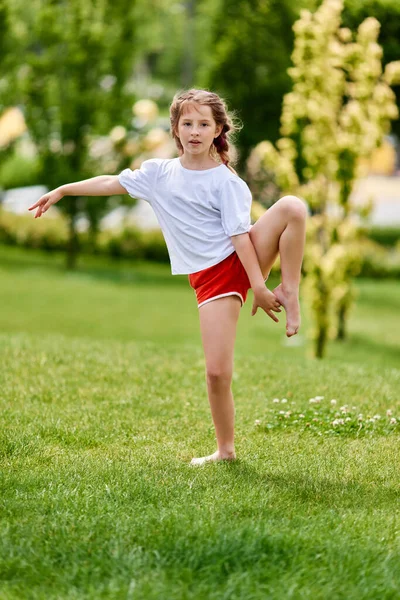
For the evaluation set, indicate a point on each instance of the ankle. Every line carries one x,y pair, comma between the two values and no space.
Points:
226,452
290,290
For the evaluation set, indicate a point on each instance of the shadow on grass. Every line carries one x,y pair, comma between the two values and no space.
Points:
359,344
322,491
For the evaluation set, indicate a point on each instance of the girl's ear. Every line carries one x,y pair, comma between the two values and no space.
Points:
218,130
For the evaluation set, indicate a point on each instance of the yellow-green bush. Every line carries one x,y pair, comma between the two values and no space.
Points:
51,233
20,230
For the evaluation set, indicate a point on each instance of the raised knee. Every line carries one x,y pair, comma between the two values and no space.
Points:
296,207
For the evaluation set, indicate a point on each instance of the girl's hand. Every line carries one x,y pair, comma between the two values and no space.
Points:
46,201
266,300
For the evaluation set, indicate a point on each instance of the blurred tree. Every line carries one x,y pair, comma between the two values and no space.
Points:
249,56
339,110
174,44
69,62
387,12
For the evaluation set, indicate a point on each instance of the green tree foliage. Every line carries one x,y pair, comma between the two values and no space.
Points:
174,42
338,111
387,12
250,54
70,64
250,50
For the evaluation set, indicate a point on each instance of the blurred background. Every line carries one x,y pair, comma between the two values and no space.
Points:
85,88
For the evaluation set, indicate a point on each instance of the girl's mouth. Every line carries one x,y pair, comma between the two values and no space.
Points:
195,143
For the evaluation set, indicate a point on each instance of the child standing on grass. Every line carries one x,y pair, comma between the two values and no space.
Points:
203,209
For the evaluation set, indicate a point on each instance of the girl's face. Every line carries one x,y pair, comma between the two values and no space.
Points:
197,129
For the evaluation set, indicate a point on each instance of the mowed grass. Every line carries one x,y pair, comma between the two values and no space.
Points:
103,404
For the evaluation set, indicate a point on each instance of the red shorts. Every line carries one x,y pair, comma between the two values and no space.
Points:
227,278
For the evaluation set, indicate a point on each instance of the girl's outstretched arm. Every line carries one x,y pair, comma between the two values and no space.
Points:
103,185
263,297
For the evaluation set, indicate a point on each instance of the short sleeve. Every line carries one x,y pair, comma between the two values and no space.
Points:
235,206
139,183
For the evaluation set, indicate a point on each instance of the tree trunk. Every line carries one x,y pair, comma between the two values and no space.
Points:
92,237
73,244
320,342
188,55
341,331
322,316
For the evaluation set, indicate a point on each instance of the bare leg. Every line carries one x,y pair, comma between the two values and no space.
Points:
282,229
218,320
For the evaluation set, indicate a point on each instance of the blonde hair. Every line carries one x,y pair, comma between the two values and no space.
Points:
222,149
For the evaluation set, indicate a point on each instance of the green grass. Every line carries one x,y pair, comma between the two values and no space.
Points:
103,404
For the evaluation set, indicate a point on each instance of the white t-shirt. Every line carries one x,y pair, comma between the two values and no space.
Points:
197,211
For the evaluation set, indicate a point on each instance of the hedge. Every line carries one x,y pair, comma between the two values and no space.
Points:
51,233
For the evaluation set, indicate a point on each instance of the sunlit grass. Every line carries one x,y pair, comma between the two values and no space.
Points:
103,404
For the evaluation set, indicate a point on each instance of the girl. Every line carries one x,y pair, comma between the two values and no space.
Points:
203,208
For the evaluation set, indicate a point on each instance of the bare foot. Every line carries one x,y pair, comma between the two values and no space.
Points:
217,456
290,302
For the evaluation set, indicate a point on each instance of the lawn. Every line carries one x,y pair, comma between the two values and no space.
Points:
103,404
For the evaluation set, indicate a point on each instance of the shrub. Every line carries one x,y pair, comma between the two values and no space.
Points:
20,230
51,233
380,262
387,236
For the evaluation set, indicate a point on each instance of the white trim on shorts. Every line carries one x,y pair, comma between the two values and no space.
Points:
222,296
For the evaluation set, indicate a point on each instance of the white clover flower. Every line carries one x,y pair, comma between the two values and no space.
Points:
348,419
389,412
275,400
360,418
301,416
393,421
281,412
257,422
319,398
287,415
344,409
333,401
284,400
312,401
376,417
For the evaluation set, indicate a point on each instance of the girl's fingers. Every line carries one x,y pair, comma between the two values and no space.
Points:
38,203
43,205
273,317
